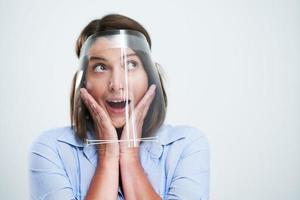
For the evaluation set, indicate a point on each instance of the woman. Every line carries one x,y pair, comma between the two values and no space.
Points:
117,146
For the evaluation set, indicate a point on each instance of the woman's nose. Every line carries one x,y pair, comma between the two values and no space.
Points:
117,81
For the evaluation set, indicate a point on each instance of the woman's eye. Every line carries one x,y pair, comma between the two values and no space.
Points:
131,65
99,68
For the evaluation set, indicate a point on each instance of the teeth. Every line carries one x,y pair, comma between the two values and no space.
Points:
116,101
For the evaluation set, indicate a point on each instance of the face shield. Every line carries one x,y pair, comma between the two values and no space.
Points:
116,68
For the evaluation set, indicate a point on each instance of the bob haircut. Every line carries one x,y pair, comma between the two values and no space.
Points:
81,121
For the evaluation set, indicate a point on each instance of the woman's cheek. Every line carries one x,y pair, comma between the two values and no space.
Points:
91,89
88,86
141,91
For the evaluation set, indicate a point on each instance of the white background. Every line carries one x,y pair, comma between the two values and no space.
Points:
232,70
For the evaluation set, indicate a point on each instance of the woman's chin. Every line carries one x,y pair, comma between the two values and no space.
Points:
118,123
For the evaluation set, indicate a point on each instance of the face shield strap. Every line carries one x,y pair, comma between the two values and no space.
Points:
114,39
89,142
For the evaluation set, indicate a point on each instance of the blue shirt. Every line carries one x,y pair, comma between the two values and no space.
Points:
177,165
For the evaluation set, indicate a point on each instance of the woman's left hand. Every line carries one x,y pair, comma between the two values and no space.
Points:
138,115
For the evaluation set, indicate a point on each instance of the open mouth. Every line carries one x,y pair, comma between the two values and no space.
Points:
117,104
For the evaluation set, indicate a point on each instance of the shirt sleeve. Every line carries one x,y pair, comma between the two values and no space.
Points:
47,177
191,176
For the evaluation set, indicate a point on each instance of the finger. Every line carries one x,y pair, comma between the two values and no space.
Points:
146,98
141,108
146,101
95,109
89,102
102,121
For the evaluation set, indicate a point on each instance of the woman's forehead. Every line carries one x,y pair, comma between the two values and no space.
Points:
105,47
107,42
103,43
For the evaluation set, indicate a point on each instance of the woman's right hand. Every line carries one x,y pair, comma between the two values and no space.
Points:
104,129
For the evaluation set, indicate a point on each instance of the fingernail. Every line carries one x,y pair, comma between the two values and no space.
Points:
82,94
153,87
81,91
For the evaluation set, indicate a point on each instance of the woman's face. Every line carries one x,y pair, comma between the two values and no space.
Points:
110,83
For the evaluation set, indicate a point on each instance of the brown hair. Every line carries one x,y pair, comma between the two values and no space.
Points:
80,117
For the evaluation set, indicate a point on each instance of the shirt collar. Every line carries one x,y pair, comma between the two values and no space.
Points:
166,135
71,138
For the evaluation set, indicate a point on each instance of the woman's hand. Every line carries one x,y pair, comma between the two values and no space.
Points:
131,169
138,115
103,126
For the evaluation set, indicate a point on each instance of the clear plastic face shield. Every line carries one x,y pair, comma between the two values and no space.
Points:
116,69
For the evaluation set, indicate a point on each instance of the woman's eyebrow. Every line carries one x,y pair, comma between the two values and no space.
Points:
131,54
97,58
104,59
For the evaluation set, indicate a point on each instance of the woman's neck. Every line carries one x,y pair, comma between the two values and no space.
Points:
119,132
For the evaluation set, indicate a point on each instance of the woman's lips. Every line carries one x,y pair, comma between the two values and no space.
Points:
116,106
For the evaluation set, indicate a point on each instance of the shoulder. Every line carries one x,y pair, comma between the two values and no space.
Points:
183,134
49,139
186,162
